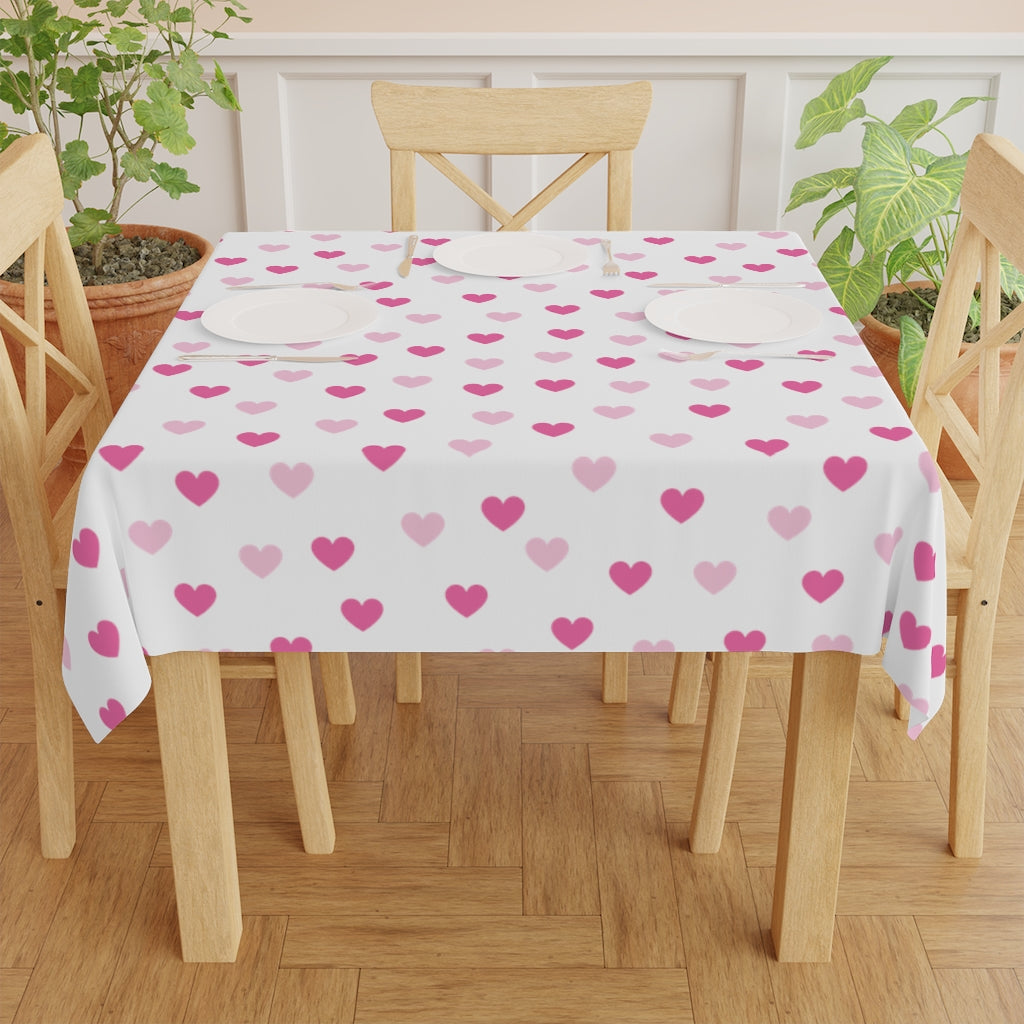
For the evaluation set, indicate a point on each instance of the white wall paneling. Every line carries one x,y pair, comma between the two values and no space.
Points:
717,151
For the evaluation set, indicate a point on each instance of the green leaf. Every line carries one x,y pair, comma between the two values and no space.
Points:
186,74
836,107
173,180
817,186
138,166
962,104
908,359
856,286
893,202
126,39
915,120
1011,280
163,117
841,204
77,166
91,226
220,92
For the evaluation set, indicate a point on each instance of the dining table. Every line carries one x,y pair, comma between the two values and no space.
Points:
506,448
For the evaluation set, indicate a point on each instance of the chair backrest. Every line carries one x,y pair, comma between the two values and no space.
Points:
602,121
48,395
991,225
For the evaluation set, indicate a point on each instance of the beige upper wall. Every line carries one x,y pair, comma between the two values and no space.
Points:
633,16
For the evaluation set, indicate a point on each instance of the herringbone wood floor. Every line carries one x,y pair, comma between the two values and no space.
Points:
513,851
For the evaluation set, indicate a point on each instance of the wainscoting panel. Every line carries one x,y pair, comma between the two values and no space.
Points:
717,153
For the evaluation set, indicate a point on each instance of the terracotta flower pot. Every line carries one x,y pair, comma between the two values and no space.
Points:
883,342
129,318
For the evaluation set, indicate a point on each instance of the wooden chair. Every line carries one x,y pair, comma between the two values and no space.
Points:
41,489
598,121
991,225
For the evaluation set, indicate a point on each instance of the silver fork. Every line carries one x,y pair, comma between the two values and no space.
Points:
611,268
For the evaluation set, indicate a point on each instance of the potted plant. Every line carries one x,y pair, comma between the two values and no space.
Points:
903,201
126,73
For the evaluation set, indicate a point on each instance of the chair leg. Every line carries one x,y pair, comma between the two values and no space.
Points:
337,680
55,758
819,745
717,759
305,755
408,677
194,755
687,674
615,677
968,765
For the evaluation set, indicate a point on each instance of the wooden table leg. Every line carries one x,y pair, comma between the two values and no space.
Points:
684,697
615,677
194,755
408,677
819,745
718,758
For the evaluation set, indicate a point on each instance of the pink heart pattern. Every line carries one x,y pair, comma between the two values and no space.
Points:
549,483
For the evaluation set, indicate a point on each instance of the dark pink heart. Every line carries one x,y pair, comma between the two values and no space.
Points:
682,505
553,429
332,553
120,456
383,457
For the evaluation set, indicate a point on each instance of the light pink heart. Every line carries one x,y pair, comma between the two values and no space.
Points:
151,537
493,418
336,426
649,646
422,529
807,422
261,561
593,473
714,578
789,522
546,554
292,480
671,440
885,544
468,447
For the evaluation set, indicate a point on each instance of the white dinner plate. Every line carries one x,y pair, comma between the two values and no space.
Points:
289,316
511,254
733,316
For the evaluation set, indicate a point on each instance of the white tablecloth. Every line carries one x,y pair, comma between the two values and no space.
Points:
511,464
